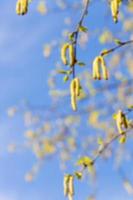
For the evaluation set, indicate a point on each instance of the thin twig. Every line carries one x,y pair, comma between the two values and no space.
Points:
107,144
76,32
116,47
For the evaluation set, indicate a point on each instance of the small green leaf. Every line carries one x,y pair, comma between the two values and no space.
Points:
69,72
82,94
117,41
71,36
130,108
83,29
122,139
81,64
66,78
78,175
85,160
114,116
100,141
60,71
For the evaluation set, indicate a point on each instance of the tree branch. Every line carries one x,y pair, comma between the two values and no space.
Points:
76,32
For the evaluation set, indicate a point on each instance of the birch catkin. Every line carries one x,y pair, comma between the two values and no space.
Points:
121,122
104,69
115,9
75,92
65,184
72,55
125,123
77,86
73,95
98,65
22,7
96,68
64,53
122,139
74,102
71,185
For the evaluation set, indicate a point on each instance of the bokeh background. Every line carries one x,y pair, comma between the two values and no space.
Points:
29,52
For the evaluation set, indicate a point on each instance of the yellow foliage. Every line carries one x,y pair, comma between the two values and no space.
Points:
30,134
122,139
105,37
42,8
128,187
85,160
93,118
48,147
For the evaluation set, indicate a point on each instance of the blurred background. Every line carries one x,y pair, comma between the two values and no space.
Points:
41,138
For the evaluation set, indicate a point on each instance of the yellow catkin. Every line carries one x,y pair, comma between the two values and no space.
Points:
119,122
95,63
125,123
77,86
71,185
104,69
73,87
64,53
65,184
105,73
115,9
75,92
74,102
72,55
70,197
96,68
98,65
22,7
122,139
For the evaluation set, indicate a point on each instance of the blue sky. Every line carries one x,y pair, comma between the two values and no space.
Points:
23,75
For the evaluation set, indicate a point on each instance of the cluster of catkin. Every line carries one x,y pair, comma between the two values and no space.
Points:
68,48
75,92
69,186
22,7
115,4
98,66
122,124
